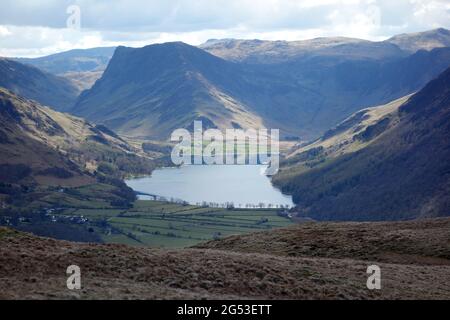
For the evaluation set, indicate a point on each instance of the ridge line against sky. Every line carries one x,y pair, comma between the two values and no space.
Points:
37,28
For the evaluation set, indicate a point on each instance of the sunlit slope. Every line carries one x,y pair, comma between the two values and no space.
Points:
51,147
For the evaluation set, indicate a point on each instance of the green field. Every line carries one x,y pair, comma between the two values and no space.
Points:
169,225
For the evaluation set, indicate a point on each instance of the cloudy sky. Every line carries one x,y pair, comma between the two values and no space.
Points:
40,27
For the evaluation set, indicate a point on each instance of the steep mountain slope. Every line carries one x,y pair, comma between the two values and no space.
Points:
401,172
312,261
26,157
351,135
154,90
319,92
41,149
82,66
149,92
38,85
412,42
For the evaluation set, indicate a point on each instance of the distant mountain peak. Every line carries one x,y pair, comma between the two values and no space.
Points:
428,40
150,91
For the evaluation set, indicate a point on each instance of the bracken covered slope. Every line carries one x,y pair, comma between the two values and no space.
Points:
422,242
271,268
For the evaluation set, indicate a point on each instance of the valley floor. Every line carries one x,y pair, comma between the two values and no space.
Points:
146,223
310,261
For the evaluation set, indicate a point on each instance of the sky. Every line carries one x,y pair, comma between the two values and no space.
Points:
31,28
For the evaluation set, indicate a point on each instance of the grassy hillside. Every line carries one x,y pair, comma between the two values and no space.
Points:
353,134
89,146
395,169
44,152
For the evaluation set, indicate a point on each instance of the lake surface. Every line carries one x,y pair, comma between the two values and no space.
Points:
240,184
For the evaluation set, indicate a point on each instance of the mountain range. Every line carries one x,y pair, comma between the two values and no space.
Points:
300,87
151,91
272,52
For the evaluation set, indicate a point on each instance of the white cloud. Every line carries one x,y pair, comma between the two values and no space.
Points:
4,31
31,27
38,41
433,13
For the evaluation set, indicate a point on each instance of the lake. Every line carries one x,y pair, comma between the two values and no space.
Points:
240,184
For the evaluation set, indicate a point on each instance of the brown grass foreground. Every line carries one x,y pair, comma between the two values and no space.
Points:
310,261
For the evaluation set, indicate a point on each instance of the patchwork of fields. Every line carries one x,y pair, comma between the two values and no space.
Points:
170,225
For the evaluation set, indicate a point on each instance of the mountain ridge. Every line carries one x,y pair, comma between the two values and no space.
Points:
149,92
428,40
160,74
266,51
75,60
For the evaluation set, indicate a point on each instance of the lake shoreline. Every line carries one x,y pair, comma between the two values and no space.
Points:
241,185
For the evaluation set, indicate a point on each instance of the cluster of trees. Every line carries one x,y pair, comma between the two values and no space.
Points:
112,162
231,205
